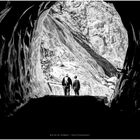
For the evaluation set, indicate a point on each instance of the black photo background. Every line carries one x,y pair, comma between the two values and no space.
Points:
17,23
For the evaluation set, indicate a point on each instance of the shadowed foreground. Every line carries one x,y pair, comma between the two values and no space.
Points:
64,117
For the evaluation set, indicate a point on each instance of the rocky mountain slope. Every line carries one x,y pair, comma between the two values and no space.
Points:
81,38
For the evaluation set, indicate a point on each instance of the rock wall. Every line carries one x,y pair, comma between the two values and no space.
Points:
84,38
127,89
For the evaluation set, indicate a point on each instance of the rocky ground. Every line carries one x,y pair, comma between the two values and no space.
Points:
68,117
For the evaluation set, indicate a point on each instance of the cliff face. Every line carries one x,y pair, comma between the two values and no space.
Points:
86,39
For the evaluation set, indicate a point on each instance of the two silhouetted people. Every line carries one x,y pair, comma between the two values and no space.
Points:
67,83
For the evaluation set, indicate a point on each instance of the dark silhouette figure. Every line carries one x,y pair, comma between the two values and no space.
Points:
76,86
66,83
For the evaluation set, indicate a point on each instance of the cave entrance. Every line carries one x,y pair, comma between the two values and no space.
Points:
94,57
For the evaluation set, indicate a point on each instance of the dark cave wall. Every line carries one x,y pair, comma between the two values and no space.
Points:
127,89
17,24
13,66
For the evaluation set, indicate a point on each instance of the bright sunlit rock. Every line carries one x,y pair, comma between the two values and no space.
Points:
73,36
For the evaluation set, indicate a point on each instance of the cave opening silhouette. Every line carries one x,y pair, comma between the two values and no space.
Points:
37,116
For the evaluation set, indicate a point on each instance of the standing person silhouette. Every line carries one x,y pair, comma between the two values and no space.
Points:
66,83
76,86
